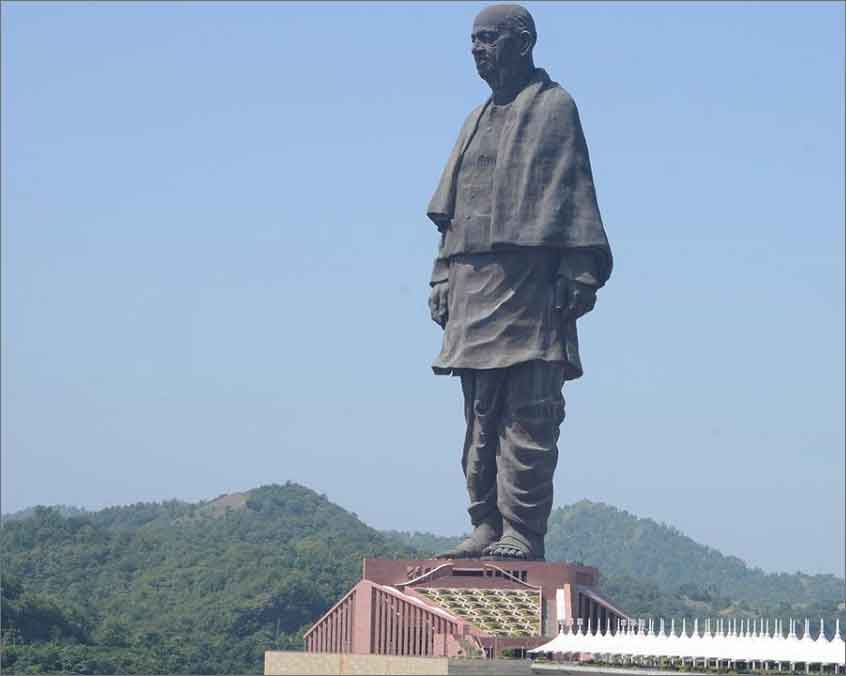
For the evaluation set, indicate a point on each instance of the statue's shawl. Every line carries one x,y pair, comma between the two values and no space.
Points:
543,192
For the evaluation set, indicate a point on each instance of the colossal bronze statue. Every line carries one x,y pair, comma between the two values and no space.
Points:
522,253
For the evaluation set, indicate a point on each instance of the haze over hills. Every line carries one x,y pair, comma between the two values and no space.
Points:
206,587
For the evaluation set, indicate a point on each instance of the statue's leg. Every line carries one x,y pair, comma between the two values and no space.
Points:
482,406
533,409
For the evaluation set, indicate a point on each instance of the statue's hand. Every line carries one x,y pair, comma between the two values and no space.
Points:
573,299
438,307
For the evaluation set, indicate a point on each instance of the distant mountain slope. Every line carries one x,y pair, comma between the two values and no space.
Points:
621,544
425,543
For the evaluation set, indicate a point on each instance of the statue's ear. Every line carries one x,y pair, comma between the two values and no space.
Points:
527,43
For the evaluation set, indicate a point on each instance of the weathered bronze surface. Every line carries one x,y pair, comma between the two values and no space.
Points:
522,254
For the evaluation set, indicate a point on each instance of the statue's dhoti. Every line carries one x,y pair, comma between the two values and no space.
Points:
506,341
513,417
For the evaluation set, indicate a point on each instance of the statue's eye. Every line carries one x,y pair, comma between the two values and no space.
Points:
483,36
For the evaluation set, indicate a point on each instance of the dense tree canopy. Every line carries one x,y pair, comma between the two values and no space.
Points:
175,587
621,544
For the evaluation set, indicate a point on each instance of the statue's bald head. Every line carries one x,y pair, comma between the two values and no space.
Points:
503,38
509,17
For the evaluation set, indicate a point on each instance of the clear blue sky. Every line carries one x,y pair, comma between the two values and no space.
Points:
215,259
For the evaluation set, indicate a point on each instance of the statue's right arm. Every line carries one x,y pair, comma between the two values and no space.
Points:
439,283
439,304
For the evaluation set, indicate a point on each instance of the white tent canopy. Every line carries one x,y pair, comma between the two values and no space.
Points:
724,639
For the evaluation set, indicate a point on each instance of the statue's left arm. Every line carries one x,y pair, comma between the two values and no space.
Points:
576,283
583,269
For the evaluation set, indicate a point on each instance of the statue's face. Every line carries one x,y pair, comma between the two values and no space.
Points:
494,48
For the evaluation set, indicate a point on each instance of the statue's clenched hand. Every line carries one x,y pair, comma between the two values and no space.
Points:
438,303
574,299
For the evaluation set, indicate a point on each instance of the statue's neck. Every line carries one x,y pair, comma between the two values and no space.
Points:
510,82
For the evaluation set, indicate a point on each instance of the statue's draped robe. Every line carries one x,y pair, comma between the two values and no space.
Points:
540,203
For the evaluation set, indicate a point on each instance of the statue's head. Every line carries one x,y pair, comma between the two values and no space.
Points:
503,38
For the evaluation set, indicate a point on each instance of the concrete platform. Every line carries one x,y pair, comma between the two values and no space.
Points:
285,663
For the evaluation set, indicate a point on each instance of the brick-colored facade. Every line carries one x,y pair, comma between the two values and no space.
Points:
437,608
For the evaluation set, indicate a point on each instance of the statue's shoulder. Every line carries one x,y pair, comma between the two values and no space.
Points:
555,96
471,118
477,111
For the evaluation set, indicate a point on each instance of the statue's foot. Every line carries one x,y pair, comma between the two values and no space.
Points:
511,548
482,536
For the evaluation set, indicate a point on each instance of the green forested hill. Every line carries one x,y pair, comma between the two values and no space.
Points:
621,544
176,587
206,588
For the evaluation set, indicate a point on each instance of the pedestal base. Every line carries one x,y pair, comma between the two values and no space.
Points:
459,608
